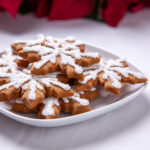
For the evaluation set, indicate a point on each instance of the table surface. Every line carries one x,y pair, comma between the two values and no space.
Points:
125,128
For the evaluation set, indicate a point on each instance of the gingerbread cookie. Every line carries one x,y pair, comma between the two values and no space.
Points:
50,108
32,89
111,75
52,54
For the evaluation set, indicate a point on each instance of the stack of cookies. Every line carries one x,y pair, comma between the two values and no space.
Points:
48,75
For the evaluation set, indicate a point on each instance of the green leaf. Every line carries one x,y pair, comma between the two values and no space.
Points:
23,9
95,14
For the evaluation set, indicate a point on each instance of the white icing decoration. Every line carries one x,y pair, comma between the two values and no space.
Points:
26,80
90,75
82,92
48,106
117,62
70,38
49,81
7,62
92,55
51,78
32,85
38,40
82,101
19,58
18,101
65,100
92,89
16,79
110,69
76,97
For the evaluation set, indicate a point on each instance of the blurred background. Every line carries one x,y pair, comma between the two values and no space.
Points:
109,11
121,27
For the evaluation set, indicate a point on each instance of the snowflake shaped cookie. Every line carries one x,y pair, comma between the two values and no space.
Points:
32,89
66,55
111,75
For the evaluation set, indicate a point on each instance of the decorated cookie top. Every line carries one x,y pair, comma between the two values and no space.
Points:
113,70
22,78
76,98
27,81
50,48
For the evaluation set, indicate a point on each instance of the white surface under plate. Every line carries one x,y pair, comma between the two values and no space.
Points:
105,103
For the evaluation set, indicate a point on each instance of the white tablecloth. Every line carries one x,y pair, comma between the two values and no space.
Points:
126,128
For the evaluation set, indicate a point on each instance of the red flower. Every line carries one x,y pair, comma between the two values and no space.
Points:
11,6
135,5
68,9
43,8
132,1
31,4
113,11
146,3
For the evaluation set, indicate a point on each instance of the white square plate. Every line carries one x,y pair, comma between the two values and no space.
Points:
105,103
